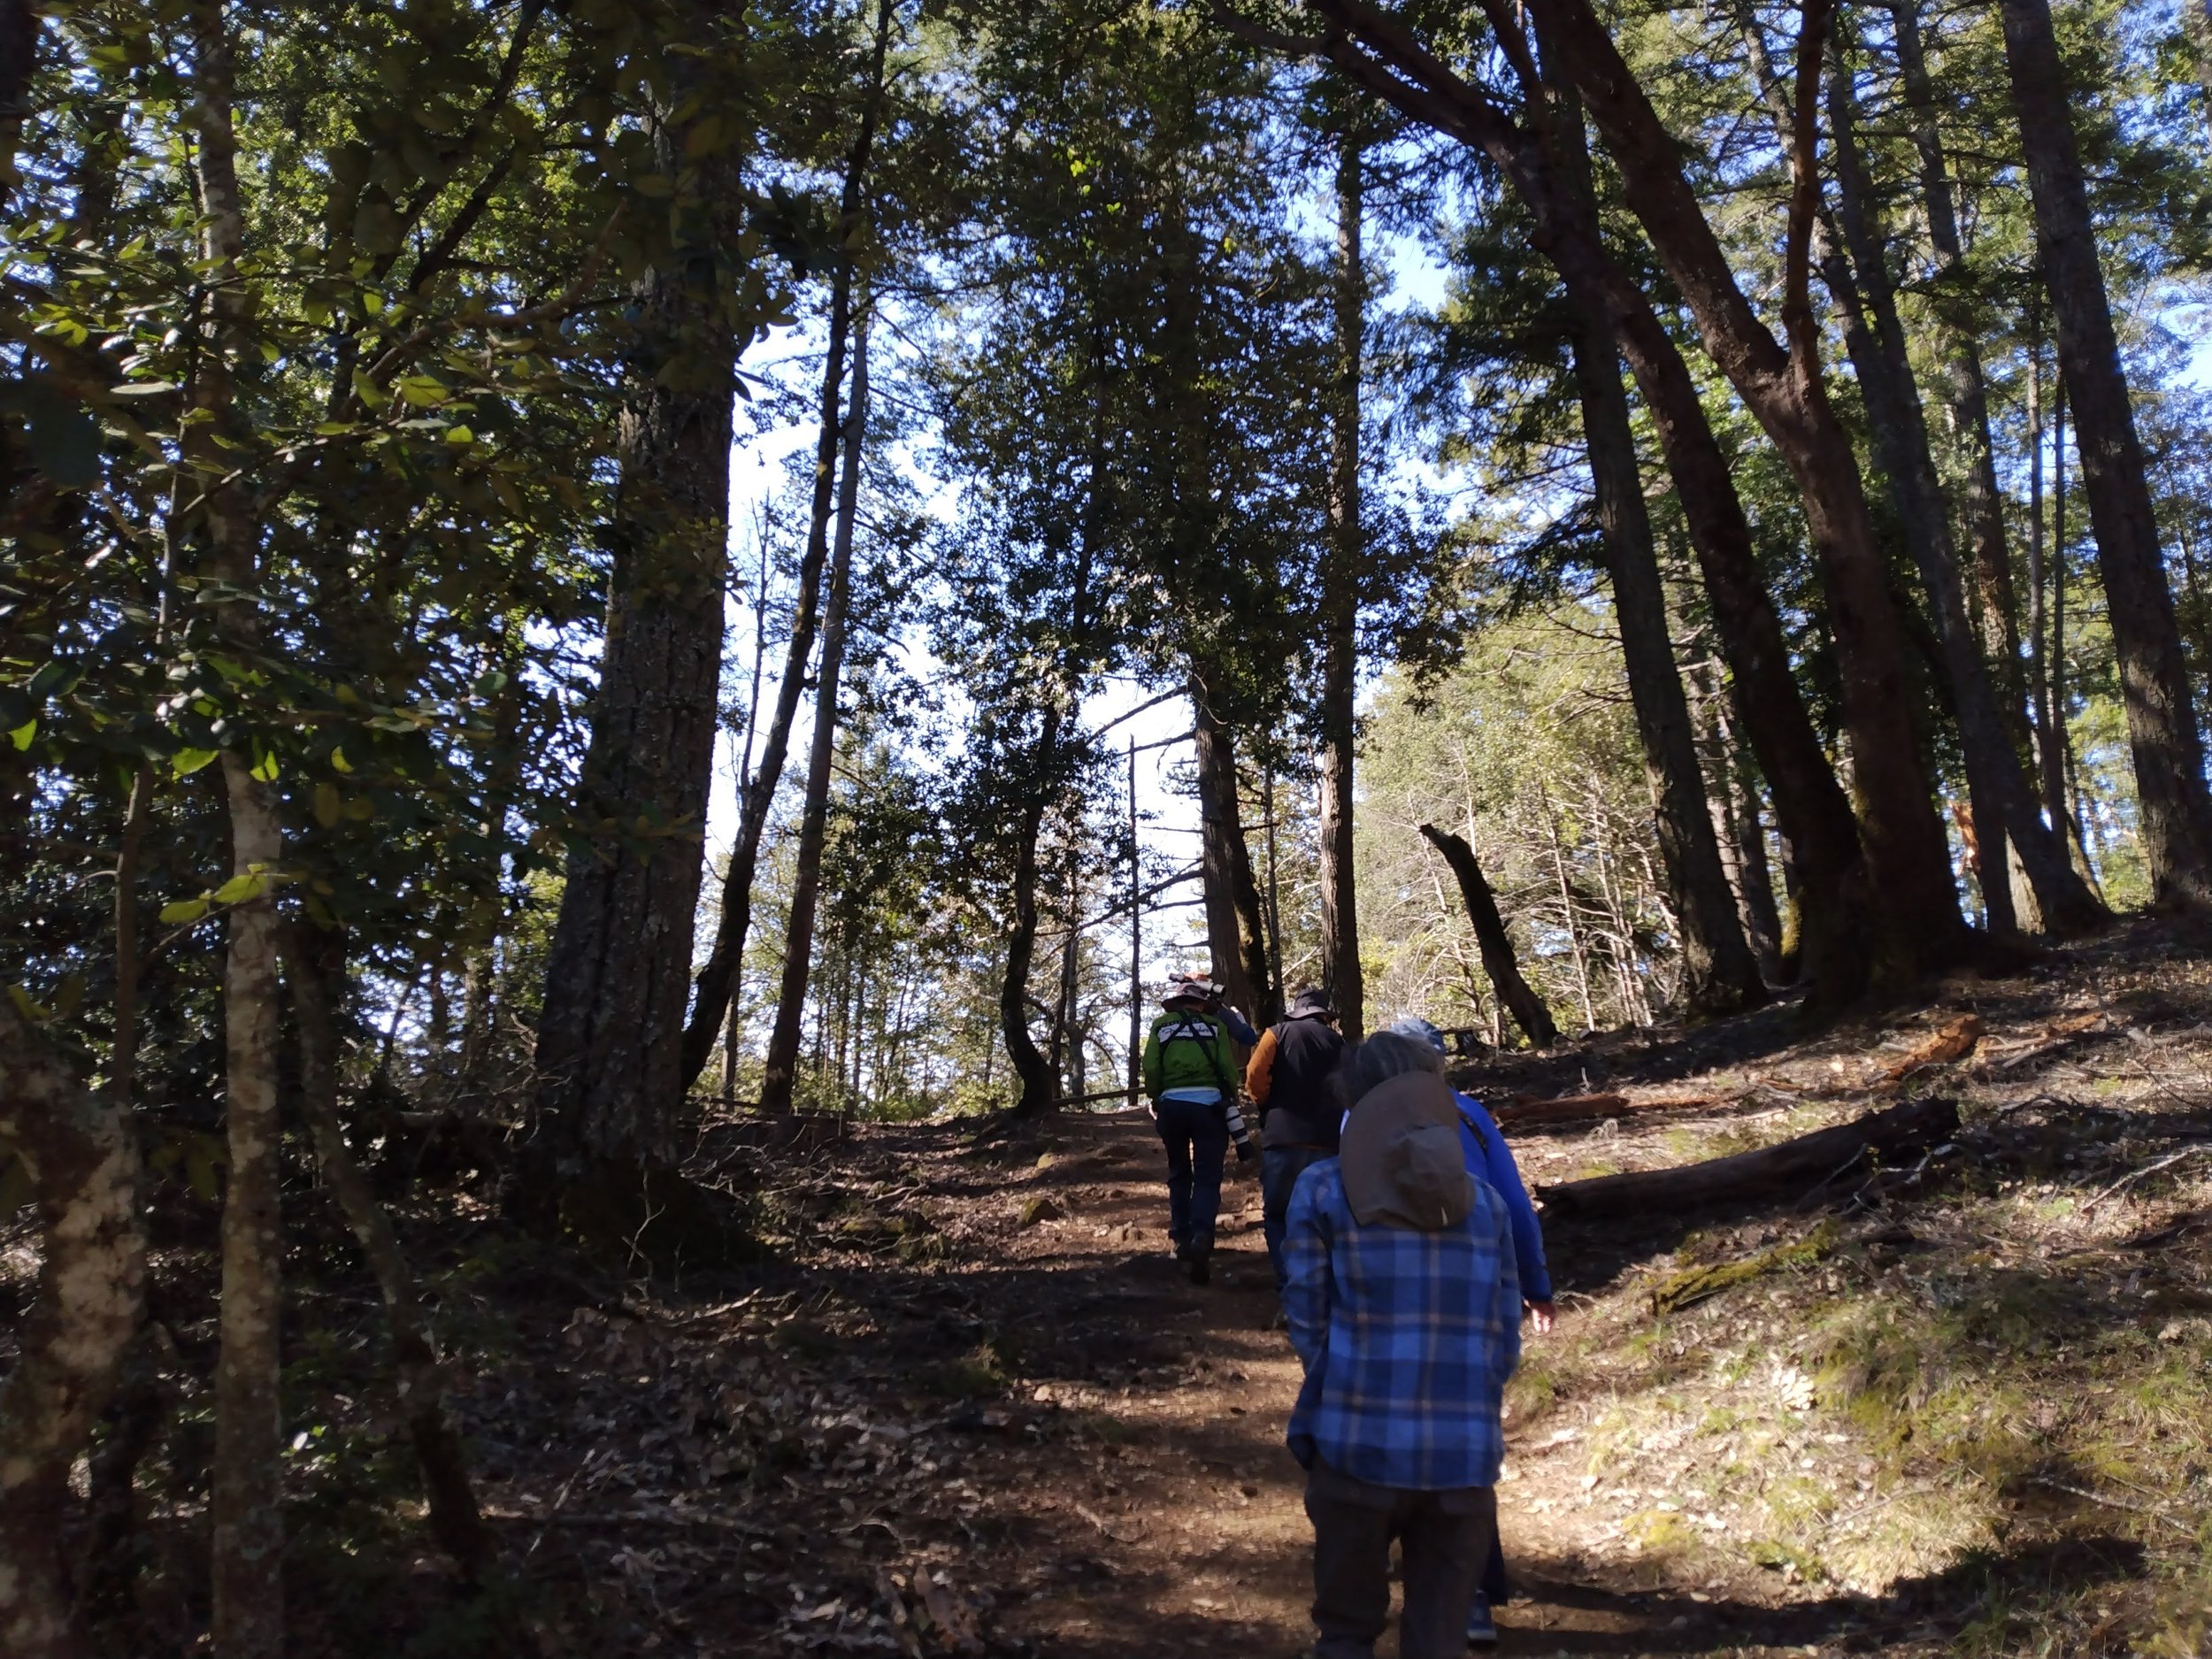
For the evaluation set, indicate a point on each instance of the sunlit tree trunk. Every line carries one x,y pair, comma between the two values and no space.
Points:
2003,798
246,1509
1841,919
1719,972
2170,784
1783,386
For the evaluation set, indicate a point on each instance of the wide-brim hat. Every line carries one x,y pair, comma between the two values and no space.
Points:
1402,1161
1311,1004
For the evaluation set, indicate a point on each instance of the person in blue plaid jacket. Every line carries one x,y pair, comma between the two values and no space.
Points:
1404,1305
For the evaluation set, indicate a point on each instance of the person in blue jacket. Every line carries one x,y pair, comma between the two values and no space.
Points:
1490,1159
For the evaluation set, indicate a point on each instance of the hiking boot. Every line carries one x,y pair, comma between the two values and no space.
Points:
1482,1629
1198,1264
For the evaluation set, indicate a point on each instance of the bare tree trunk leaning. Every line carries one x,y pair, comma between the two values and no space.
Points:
780,1070
1498,958
82,1153
2177,809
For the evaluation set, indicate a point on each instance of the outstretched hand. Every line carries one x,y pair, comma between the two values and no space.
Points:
1541,1315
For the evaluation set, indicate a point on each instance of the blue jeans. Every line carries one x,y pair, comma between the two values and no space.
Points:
1197,1139
1279,1170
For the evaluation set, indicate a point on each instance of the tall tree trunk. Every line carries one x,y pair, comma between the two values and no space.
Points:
1957,302
82,1153
1498,958
1783,388
711,994
2002,796
1719,973
1039,1084
806,880
610,1091
315,962
1233,920
1734,798
2175,809
246,1509
1136,941
1839,917
1341,976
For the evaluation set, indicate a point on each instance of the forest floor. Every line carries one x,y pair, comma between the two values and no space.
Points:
965,1403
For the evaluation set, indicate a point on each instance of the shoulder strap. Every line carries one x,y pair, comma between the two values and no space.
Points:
1200,1029
1482,1137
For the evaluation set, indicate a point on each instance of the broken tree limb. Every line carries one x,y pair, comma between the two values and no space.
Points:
1498,959
1954,1041
1782,1168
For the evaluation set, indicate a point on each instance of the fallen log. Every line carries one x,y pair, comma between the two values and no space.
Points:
1785,1167
1524,1109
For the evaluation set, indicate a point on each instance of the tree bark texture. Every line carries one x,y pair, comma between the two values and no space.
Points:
611,1084
782,1068
246,1504
1498,958
314,961
1340,975
1234,923
1719,973
711,999
82,1153
1839,917
2169,785
2002,798
1785,390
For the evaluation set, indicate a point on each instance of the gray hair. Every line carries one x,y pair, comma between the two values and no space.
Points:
1382,1056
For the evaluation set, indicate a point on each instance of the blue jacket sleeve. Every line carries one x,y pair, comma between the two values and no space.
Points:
1308,1284
1506,1309
1238,1029
1490,1159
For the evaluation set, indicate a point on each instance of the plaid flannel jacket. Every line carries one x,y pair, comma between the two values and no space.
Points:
1407,1339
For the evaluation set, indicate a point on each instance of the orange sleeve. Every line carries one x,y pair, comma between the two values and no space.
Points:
1259,1074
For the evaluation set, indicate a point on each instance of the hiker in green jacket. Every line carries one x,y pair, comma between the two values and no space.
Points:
1188,1062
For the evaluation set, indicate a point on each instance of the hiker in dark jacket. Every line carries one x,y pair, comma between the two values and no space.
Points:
1291,1079
1188,1064
1404,1306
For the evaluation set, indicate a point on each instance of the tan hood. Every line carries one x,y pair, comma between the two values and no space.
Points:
1401,1162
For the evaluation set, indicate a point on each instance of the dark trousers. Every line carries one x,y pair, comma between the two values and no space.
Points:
1444,1537
1279,1170
1197,1139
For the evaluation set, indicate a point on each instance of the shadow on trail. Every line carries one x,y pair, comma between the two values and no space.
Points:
1934,1608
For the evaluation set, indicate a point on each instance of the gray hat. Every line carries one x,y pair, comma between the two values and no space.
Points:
1400,1158
1421,1030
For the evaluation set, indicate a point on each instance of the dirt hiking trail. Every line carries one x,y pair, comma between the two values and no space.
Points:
965,1403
